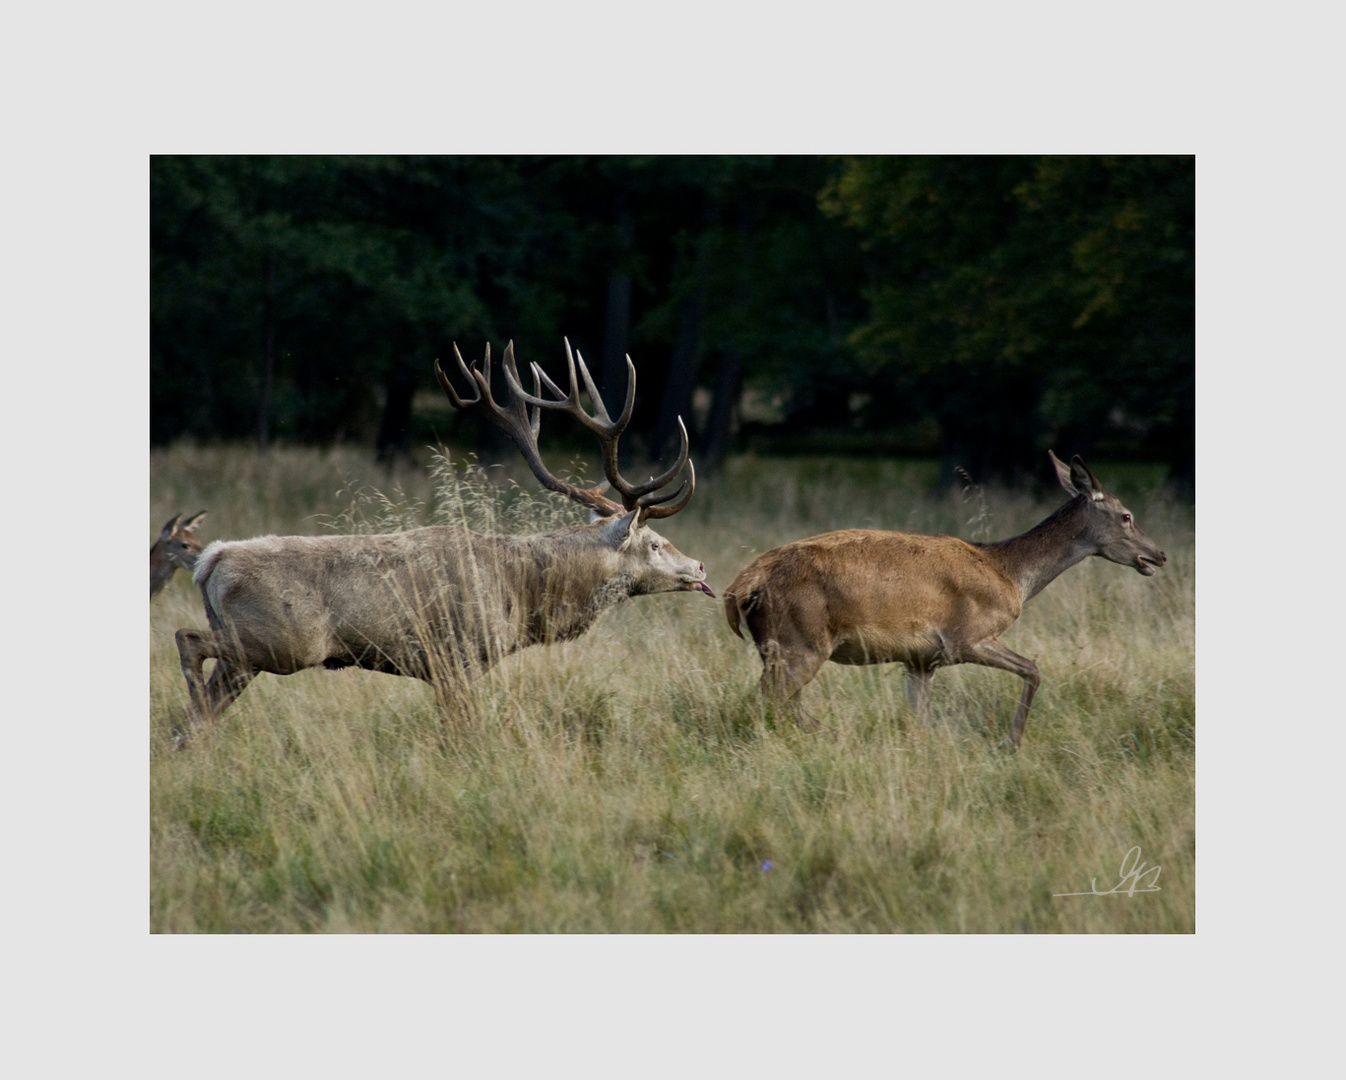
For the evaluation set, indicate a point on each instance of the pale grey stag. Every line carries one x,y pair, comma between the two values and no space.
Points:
441,603
862,596
176,549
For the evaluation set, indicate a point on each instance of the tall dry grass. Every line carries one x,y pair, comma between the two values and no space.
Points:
630,781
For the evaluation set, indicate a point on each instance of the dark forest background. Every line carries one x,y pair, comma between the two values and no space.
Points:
977,309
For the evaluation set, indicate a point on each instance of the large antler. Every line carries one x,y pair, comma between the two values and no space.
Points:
521,421
608,432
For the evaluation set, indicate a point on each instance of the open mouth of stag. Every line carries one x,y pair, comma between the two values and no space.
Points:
700,586
1146,566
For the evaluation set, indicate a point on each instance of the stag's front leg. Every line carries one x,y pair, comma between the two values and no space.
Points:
993,654
194,648
449,673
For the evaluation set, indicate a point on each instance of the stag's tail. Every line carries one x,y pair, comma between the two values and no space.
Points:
205,566
205,563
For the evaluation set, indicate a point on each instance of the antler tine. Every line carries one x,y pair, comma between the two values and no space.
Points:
600,410
520,403
656,508
600,423
534,413
656,482
454,399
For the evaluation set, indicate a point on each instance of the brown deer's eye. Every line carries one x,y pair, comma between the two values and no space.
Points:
1126,519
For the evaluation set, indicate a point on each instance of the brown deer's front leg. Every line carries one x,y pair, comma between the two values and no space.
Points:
993,654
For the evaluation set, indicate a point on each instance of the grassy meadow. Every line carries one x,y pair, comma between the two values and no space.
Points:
631,781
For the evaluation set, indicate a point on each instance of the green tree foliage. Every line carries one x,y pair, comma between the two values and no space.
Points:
1029,301
987,306
358,268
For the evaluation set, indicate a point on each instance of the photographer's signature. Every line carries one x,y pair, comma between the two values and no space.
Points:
1133,871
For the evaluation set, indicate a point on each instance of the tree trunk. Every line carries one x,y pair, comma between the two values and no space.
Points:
268,358
682,368
714,445
394,438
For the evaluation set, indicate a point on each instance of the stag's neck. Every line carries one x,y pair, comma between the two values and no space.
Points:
574,580
572,611
1036,558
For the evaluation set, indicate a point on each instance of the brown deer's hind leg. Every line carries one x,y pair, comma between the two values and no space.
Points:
993,654
785,672
918,684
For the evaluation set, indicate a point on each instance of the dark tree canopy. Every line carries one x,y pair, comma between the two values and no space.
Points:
979,308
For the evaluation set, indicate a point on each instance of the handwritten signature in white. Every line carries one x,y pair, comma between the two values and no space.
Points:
1133,871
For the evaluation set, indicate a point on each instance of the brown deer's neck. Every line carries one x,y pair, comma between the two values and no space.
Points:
161,568
1036,558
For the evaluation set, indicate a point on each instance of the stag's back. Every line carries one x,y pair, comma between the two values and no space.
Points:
298,601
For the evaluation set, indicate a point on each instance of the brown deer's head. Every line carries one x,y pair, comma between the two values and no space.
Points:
1111,528
177,547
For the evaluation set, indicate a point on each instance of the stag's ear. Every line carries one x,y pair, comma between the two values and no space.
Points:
617,532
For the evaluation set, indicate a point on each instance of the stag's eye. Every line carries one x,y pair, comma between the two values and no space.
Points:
654,546
1126,519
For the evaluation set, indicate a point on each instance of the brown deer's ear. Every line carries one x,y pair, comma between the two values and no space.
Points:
1076,477
169,526
192,522
1063,474
1086,481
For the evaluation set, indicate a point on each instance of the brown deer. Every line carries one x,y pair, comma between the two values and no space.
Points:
176,547
862,596
441,603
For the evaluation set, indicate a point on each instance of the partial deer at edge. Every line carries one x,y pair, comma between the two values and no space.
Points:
442,603
863,596
176,548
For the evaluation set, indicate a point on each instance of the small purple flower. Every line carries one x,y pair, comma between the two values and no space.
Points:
767,865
